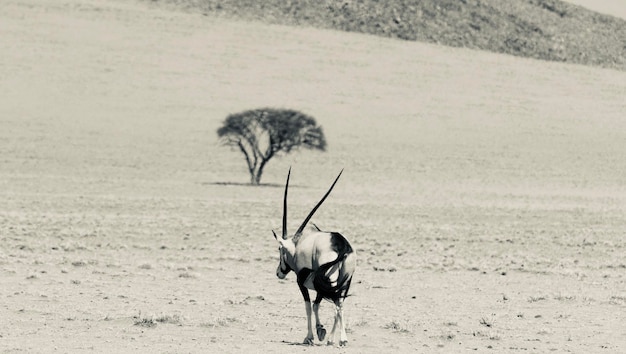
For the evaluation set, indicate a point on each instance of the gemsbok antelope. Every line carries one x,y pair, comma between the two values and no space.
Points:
322,261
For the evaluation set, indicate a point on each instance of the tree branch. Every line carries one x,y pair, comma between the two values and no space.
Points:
245,153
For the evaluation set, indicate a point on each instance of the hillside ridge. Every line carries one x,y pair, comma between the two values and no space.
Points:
542,29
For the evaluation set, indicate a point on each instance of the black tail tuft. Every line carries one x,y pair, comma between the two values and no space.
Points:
321,281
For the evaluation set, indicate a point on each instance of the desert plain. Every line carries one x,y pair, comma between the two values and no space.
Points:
485,194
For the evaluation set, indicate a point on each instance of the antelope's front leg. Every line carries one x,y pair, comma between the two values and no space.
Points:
307,306
309,336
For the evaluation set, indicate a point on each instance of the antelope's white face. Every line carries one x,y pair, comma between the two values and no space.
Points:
284,253
283,268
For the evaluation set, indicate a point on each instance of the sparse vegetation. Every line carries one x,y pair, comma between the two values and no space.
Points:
360,323
542,29
219,322
532,299
397,327
171,319
388,268
145,322
448,336
485,322
561,297
618,300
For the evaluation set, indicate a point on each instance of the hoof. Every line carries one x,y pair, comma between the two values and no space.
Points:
321,332
308,341
330,343
343,343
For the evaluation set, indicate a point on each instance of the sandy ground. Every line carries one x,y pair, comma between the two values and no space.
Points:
484,194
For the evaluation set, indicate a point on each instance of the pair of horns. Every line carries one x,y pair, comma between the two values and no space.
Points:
306,221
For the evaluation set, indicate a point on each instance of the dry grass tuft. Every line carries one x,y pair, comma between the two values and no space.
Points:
486,323
171,319
396,327
145,322
537,298
219,322
617,300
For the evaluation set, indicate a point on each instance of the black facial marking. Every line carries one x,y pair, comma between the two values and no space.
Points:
287,268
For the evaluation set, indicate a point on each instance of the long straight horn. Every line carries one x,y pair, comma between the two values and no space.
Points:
285,206
306,221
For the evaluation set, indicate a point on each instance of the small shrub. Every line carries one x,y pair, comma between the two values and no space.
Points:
397,327
145,322
486,323
219,322
536,298
175,319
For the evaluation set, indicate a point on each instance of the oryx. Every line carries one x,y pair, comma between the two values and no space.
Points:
322,261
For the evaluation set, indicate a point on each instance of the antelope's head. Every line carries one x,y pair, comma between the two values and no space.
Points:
286,250
287,245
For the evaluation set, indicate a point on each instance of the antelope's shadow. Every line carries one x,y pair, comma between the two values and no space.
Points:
301,344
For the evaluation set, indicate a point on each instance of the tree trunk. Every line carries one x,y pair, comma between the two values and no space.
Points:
256,173
254,179
257,178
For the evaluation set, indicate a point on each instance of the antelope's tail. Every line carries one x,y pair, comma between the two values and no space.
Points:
324,286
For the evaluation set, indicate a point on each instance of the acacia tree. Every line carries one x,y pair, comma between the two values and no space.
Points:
261,134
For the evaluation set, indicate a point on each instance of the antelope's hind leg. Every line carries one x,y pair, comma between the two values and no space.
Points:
331,340
309,337
343,338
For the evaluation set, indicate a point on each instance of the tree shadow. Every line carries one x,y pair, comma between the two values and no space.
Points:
260,185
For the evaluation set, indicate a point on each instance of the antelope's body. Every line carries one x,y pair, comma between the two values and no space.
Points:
323,262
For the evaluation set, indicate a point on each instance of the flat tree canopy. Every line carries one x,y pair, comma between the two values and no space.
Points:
262,133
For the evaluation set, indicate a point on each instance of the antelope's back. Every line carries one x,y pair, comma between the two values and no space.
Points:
315,248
